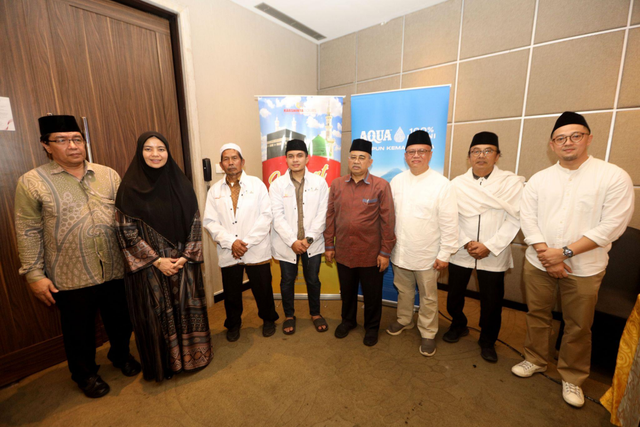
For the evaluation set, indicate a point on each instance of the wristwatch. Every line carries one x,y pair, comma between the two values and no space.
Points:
309,240
567,252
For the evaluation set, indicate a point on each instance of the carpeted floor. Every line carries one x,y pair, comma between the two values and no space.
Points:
314,379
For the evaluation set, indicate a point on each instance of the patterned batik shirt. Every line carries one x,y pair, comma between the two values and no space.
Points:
65,226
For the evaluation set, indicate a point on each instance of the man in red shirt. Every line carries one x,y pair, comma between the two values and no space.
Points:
360,236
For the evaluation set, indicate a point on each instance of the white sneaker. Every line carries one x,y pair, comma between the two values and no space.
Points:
572,394
525,369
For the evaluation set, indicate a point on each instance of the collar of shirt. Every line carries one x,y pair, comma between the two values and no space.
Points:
366,178
478,177
240,181
306,172
56,168
570,171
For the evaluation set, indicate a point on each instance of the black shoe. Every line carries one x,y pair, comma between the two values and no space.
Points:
94,387
489,354
233,335
130,368
268,328
370,340
454,334
343,330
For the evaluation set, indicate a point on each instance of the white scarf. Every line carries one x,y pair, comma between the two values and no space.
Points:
500,191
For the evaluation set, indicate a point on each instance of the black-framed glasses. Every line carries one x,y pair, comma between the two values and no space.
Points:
65,141
574,137
486,152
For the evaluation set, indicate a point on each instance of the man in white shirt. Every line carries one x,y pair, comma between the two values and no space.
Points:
427,235
238,217
570,214
489,219
299,206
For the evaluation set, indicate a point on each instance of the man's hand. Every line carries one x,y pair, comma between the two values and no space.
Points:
478,250
559,271
166,266
42,290
238,249
300,246
383,263
328,256
440,265
550,256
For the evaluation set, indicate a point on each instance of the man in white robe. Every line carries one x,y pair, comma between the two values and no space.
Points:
489,219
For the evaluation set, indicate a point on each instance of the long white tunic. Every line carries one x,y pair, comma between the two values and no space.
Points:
560,206
426,220
489,213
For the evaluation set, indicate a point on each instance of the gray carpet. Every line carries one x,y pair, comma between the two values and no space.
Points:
314,379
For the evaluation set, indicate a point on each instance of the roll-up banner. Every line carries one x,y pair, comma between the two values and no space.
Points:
316,120
386,119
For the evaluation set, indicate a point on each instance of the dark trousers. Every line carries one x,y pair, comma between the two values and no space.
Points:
78,309
371,280
260,281
289,272
491,285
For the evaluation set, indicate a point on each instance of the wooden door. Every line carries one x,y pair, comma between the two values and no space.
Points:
88,58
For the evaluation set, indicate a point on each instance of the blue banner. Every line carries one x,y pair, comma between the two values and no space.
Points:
386,119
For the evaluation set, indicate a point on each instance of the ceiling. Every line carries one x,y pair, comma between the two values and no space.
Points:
336,18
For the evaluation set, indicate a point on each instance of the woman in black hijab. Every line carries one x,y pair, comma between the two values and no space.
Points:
160,233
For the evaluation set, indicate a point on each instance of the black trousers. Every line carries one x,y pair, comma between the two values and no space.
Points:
260,280
491,284
78,309
371,280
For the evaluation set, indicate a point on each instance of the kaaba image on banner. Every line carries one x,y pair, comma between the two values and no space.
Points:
277,142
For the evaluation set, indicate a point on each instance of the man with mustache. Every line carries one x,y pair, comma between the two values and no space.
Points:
238,217
570,214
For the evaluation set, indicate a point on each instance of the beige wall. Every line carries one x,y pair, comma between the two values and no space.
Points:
236,54
514,65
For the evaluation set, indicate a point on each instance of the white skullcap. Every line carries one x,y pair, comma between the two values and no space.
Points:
231,146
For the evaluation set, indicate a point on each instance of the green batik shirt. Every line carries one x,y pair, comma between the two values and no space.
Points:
65,226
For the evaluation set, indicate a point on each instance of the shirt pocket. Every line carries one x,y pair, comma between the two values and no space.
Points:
370,206
587,202
423,209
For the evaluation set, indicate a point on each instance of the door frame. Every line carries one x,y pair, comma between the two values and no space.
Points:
180,33
180,29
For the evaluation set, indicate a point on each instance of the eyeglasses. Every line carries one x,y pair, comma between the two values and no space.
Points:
486,152
574,137
66,141
421,152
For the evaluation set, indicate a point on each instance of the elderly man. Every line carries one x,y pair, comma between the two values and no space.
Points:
359,234
570,214
489,219
427,230
238,217
69,250
299,206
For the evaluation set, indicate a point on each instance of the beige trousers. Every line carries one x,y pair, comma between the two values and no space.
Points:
578,297
427,281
